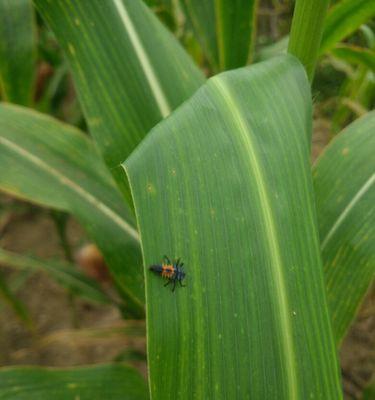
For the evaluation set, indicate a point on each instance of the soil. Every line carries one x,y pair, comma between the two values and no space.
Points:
66,332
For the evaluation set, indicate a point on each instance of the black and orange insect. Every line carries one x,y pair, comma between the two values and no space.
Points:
172,271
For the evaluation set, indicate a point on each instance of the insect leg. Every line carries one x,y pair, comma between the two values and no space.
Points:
181,284
178,262
165,258
174,285
169,281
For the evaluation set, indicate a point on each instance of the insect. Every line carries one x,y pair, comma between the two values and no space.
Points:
172,271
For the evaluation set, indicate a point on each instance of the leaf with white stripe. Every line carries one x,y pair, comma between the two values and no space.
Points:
225,29
225,184
130,72
344,180
56,165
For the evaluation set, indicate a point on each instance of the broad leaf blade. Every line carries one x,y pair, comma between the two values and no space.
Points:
56,165
111,382
66,274
225,184
344,180
17,51
130,72
225,30
343,19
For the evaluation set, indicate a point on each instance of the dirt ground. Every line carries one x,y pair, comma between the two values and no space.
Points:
68,333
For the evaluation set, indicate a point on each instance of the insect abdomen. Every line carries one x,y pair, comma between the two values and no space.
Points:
156,268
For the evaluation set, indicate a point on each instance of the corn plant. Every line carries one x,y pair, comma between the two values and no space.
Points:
278,254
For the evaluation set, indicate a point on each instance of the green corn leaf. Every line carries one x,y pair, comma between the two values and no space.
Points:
343,19
225,184
274,49
18,307
128,328
161,6
17,51
66,274
56,165
369,35
167,4
355,55
369,393
306,32
344,179
358,90
166,11
130,72
225,30
101,382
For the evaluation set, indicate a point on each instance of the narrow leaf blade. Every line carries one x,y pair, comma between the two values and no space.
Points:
18,307
225,30
56,165
343,19
356,55
369,393
307,31
112,382
66,274
344,180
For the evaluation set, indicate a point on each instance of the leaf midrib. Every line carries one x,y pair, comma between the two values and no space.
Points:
155,86
103,208
266,210
340,219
